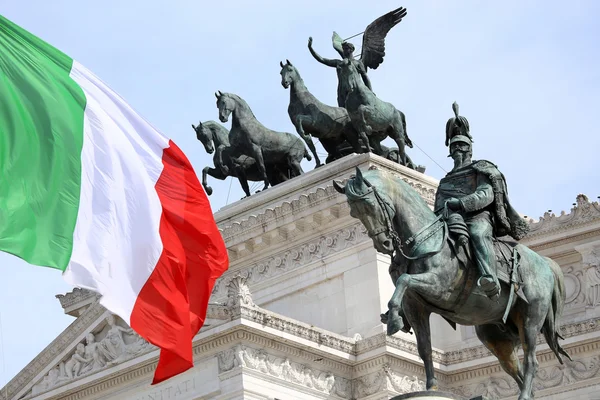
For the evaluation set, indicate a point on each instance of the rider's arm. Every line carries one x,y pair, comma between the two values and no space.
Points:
481,198
326,61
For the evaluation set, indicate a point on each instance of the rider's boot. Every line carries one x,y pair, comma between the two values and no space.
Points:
485,257
405,328
490,286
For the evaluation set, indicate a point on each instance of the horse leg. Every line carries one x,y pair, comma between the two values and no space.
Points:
215,173
363,128
241,175
260,164
418,317
427,284
503,346
529,320
352,137
295,166
376,145
306,137
398,137
205,171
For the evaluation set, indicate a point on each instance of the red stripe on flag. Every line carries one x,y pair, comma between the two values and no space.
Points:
171,307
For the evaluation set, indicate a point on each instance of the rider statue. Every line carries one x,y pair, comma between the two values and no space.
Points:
477,191
343,80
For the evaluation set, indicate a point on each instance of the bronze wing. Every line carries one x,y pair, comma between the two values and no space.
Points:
373,46
337,41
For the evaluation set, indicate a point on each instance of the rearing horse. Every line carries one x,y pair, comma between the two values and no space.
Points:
251,138
215,138
436,280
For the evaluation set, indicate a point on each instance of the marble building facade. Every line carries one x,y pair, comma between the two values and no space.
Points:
296,316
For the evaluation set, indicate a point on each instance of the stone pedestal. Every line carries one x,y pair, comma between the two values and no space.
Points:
428,395
431,395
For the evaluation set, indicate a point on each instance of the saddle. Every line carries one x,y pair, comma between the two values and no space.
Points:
504,249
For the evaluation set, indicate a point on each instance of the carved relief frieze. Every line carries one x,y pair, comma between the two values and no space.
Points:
241,356
590,261
573,278
114,344
386,379
502,386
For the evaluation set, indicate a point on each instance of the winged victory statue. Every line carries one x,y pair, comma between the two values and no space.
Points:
373,119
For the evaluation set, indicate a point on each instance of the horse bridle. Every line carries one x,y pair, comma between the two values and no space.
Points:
416,239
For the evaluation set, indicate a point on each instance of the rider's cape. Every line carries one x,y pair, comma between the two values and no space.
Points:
507,220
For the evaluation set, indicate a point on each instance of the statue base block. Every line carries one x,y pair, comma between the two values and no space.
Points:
434,395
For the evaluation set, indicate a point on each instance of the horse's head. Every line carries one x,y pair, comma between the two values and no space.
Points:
204,135
372,207
225,104
288,74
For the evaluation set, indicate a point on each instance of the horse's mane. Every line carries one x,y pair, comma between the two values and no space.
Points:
240,101
377,178
217,129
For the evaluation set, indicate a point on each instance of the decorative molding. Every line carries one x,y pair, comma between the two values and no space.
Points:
238,293
75,296
243,308
584,212
568,240
241,356
213,344
574,295
286,208
422,183
298,329
117,344
386,379
549,377
295,257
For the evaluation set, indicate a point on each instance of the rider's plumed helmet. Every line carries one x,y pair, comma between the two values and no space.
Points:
457,126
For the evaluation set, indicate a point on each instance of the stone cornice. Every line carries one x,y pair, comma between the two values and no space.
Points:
75,296
319,177
316,190
583,213
261,270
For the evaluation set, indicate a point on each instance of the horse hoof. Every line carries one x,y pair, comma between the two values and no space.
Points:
209,190
394,325
384,318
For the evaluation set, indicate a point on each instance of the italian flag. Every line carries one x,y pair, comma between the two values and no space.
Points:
87,186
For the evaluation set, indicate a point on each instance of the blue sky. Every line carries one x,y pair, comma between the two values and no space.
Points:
525,74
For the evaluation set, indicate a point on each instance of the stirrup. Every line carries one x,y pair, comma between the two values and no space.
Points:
491,288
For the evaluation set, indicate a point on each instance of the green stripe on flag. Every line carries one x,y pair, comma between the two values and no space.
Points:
41,137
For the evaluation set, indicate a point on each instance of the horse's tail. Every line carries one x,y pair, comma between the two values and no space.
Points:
307,154
555,310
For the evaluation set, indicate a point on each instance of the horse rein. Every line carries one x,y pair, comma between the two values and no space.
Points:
397,241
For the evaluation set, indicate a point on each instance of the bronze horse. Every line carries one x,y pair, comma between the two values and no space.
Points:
215,138
251,138
436,279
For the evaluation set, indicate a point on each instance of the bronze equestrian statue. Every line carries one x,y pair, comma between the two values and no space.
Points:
442,261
